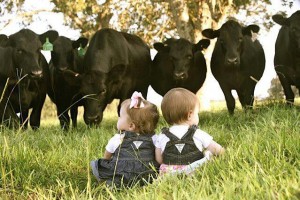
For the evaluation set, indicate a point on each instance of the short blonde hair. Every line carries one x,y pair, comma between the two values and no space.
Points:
176,105
145,118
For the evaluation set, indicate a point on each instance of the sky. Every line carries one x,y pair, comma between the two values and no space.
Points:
211,90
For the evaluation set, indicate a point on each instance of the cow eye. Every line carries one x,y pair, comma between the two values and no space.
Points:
102,92
20,51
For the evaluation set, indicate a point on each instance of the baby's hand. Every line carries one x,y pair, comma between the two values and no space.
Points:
208,155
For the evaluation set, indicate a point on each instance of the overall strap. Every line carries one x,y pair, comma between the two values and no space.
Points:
190,133
171,136
131,136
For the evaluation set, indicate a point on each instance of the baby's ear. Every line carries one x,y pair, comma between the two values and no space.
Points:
132,126
190,114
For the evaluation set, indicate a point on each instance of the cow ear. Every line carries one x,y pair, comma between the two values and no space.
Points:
202,44
280,19
210,33
160,47
80,42
170,41
250,29
51,35
3,40
73,78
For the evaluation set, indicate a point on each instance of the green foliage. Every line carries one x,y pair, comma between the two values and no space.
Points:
152,20
276,91
88,16
9,5
261,160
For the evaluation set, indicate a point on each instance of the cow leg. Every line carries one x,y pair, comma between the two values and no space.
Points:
74,113
249,97
241,97
24,119
288,92
63,116
246,96
230,101
35,116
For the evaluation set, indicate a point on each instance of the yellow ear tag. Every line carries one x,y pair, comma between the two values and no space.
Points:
47,46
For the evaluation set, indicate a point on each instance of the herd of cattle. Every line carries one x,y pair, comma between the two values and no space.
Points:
116,64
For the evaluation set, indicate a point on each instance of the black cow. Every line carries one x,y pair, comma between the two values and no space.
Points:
65,96
115,64
22,63
287,53
237,61
178,63
3,39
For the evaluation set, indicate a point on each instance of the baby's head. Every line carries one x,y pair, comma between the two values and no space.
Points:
178,105
141,117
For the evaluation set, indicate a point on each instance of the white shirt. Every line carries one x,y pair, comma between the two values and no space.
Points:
201,138
116,140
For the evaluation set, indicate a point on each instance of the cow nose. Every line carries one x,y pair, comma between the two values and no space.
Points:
93,119
232,60
63,68
180,75
37,74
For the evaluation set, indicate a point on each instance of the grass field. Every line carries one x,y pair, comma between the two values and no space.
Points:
261,160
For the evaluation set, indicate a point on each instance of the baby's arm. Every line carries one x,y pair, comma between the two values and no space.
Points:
107,155
112,145
215,148
158,155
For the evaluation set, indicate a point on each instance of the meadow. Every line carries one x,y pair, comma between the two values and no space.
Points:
261,159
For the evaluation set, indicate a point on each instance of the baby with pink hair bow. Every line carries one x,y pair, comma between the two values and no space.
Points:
129,156
137,100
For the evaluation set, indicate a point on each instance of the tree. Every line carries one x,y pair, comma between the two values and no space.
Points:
88,16
11,9
183,18
152,20
275,91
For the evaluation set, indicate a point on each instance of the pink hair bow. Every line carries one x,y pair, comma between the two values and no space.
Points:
136,100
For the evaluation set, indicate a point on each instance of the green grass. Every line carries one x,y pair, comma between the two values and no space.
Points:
261,160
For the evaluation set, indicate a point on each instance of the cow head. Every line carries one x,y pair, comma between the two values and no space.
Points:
26,55
181,54
293,23
65,53
230,39
94,91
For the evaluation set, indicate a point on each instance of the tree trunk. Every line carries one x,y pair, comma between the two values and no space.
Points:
105,15
184,25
